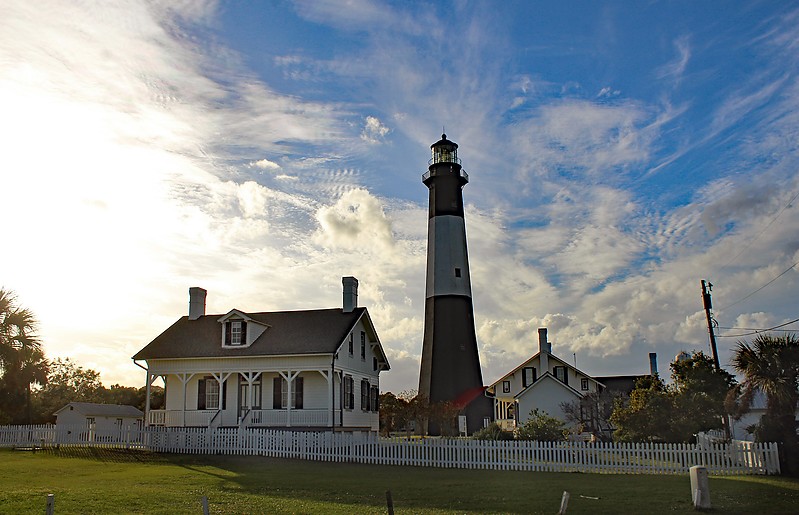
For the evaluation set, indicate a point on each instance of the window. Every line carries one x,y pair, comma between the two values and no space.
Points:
374,394
208,394
584,384
363,345
457,272
562,375
212,394
505,386
365,397
528,376
351,338
374,363
349,396
235,332
90,422
280,393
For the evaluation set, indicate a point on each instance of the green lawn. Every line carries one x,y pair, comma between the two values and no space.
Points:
106,481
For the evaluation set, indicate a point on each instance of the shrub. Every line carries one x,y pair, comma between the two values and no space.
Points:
542,427
492,432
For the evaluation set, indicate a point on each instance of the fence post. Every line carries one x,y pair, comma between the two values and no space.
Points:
389,503
50,504
700,488
204,501
564,503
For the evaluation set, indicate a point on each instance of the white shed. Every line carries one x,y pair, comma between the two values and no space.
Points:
100,419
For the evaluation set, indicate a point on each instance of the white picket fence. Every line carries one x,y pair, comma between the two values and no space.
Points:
618,458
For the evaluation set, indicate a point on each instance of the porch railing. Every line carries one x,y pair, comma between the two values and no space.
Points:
280,417
175,418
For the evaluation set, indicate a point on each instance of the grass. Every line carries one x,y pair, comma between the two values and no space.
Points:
115,481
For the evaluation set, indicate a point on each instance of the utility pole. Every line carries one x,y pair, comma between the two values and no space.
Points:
706,289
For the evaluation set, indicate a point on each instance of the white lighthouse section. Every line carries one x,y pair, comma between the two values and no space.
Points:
447,259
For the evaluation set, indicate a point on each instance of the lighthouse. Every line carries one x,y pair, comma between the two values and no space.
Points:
450,368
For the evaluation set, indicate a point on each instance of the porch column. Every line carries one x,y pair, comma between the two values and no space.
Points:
329,376
249,378
289,377
147,400
221,377
184,380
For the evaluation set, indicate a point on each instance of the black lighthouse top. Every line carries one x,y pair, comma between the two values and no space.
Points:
445,162
444,151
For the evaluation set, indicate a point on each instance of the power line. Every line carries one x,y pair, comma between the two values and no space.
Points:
757,331
760,233
757,290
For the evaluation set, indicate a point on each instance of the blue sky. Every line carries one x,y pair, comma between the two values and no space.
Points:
618,152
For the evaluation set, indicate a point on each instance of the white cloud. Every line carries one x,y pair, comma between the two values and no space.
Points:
373,130
265,164
356,221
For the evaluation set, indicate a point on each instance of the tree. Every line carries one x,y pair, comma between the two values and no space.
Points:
393,413
658,412
643,417
444,414
22,362
771,364
67,382
540,426
700,392
592,412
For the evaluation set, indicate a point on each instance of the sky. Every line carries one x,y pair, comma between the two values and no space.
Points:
618,153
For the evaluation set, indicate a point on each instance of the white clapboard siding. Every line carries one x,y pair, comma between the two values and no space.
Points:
617,458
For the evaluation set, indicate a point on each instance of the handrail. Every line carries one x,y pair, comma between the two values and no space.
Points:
211,422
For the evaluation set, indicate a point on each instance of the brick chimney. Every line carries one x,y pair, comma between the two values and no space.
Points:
196,302
544,349
350,293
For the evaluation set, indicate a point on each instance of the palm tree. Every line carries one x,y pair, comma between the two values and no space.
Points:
771,364
22,361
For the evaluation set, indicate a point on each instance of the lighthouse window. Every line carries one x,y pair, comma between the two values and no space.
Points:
457,272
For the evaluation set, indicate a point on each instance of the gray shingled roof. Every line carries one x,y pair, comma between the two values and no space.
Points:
318,331
91,409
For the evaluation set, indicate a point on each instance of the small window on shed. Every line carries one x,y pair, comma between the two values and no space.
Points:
457,272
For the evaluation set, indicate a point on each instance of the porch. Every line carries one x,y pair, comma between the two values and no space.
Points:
275,418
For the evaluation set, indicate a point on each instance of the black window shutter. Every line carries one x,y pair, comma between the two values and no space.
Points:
298,392
243,332
201,394
277,393
223,401
227,333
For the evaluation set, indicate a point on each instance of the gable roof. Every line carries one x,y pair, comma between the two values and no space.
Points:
318,331
546,377
91,409
551,356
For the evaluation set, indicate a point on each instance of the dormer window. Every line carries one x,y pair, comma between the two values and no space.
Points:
239,330
235,332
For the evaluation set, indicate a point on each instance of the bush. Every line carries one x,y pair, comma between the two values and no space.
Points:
542,427
492,432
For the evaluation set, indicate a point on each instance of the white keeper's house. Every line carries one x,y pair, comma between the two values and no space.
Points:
542,382
305,370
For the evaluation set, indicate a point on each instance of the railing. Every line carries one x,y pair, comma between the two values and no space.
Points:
642,458
176,418
428,174
281,418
